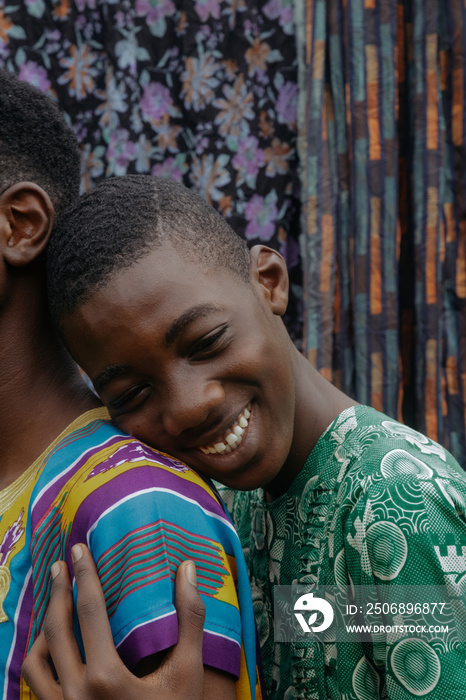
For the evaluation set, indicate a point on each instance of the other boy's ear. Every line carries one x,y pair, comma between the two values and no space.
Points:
27,216
268,269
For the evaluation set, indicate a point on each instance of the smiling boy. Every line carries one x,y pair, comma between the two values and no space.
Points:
179,327
67,475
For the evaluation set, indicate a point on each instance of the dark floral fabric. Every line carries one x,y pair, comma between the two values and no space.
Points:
203,91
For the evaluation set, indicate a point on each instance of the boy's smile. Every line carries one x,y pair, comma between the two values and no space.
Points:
195,362
230,440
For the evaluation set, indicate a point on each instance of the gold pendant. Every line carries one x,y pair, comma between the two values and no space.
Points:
5,581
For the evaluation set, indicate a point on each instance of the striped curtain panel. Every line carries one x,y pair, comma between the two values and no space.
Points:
382,147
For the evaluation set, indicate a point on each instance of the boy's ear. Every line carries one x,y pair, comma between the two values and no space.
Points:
27,216
268,269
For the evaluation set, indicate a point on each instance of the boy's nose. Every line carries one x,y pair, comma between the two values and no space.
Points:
189,406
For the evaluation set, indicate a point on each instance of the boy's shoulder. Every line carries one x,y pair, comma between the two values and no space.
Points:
141,513
92,453
380,450
402,484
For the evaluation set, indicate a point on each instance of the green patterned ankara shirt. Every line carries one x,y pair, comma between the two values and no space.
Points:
376,503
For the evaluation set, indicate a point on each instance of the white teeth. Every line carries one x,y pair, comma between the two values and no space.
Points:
232,438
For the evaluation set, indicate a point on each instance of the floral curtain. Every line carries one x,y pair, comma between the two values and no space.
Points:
202,91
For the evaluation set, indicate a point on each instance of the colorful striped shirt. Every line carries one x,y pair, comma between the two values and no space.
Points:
141,513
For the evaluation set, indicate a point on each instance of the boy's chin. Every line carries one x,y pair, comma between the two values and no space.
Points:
248,477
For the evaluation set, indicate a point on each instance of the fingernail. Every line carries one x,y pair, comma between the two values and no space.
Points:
76,553
191,573
55,569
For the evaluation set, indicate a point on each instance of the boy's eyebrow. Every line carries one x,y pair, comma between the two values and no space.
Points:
115,371
108,374
189,316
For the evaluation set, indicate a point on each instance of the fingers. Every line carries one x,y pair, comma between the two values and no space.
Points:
189,606
180,676
183,667
92,612
38,674
58,627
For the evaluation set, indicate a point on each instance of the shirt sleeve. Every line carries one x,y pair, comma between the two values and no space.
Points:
141,517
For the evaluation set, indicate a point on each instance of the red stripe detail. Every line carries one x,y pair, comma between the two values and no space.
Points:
129,556
158,531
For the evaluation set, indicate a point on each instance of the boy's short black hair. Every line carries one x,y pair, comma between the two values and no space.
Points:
117,222
36,144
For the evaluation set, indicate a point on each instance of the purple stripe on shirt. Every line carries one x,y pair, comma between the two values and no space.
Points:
134,452
22,629
142,478
217,651
43,502
221,652
127,450
148,639
130,453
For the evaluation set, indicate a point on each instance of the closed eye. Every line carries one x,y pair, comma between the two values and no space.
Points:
130,400
208,344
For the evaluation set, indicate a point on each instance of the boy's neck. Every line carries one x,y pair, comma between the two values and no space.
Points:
318,403
41,391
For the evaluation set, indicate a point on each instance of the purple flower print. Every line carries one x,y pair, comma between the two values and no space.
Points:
154,13
287,104
281,10
261,213
172,168
82,4
153,10
248,159
34,74
155,102
204,8
120,152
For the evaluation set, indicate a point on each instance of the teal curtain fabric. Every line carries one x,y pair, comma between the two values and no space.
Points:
383,167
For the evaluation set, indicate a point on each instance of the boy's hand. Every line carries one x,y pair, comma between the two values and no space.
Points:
180,676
